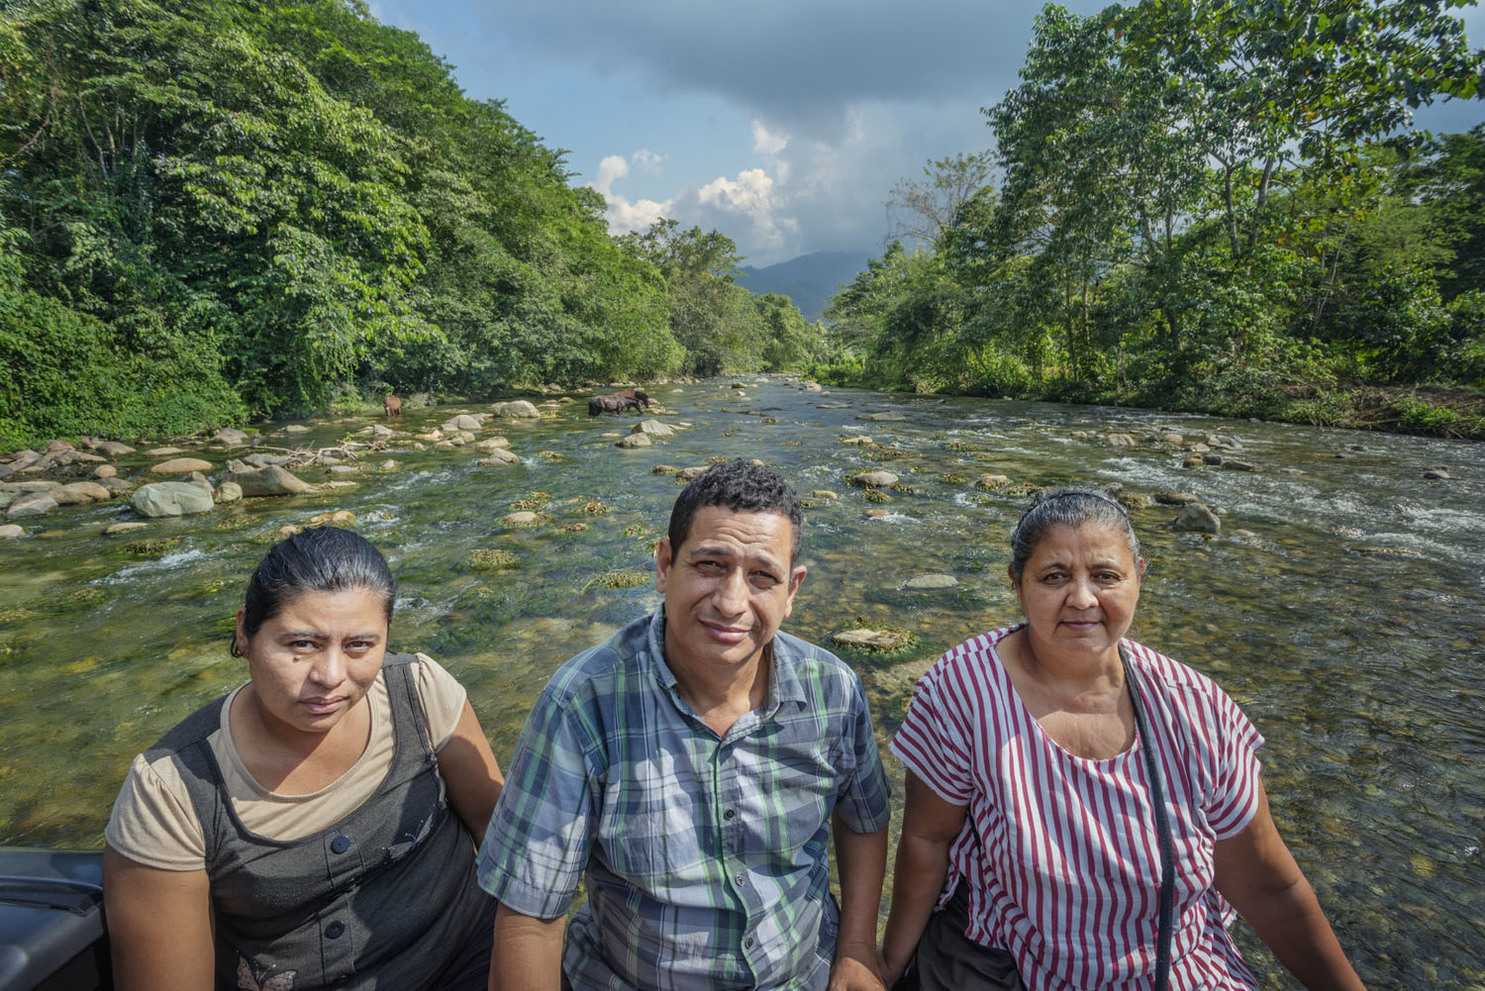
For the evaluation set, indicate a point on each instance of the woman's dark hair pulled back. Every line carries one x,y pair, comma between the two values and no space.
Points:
1069,507
321,559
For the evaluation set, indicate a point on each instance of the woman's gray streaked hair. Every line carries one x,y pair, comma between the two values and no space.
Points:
1069,507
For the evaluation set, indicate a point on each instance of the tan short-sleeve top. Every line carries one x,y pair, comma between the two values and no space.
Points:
153,822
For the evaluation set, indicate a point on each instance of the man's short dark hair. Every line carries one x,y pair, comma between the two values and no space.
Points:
743,487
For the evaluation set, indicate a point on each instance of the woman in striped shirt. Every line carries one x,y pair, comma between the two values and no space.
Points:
1082,811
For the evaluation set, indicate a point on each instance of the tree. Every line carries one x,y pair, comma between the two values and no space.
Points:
923,209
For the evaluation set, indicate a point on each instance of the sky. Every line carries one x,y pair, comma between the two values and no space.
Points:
782,123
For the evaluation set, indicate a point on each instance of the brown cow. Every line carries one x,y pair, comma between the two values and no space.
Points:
392,405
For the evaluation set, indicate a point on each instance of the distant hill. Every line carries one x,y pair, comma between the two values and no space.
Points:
810,280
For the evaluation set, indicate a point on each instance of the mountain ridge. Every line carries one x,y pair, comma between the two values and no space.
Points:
810,279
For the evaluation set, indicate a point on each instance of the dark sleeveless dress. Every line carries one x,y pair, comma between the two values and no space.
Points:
386,898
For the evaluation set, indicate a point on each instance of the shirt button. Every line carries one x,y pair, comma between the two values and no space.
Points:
335,930
340,844
730,814
747,942
741,880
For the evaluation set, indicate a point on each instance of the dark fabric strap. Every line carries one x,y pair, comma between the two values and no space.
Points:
1162,827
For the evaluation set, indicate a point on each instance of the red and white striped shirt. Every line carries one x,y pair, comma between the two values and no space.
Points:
1061,852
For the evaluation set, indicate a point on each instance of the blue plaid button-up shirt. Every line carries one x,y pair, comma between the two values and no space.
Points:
707,859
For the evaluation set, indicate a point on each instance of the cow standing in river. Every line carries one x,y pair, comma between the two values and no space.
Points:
618,402
392,405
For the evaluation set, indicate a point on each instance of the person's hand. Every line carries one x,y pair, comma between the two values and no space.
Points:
857,968
892,973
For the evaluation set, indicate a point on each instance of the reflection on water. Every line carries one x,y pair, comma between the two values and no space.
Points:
1341,605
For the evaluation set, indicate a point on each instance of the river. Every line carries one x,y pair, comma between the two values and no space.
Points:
1341,604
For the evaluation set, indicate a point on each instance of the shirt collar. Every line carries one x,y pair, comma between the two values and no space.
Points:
783,676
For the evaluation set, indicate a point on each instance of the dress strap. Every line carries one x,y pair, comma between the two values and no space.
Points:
1162,826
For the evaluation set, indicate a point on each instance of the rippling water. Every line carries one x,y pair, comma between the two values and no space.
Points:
1342,605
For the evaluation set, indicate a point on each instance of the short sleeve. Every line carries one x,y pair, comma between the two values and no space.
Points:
153,822
1233,800
442,697
537,843
932,747
863,803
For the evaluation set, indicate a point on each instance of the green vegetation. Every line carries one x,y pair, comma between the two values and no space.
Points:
216,211
1210,207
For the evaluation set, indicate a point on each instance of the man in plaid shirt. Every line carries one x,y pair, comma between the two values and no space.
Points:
691,769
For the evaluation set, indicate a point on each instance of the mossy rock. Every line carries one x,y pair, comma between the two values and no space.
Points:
555,457
876,640
88,595
17,615
718,459
493,559
577,526
902,488
950,478
595,507
229,524
637,530
877,495
619,579
532,502
959,445
151,547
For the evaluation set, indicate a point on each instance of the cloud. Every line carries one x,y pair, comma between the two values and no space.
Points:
767,142
648,161
627,216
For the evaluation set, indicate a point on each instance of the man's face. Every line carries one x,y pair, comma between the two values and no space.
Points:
727,587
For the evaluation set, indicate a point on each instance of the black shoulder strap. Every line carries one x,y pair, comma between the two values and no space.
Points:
1162,826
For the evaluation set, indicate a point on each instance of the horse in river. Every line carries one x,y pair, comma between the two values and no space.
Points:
618,402
392,405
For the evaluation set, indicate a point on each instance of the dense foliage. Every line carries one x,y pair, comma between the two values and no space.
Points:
216,210
1203,205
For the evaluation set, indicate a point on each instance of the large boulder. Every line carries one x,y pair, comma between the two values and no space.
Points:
499,456
30,504
654,428
11,531
113,448
80,494
228,492
230,437
1196,518
635,440
270,481
463,421
520,409
180,466
171,499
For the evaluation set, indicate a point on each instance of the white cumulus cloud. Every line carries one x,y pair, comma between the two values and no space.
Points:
627,216
767,142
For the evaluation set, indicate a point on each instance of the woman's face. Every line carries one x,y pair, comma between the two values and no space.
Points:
316,659
1079,589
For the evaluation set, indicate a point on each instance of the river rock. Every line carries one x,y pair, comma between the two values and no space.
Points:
80,494
180,466
1196,518
1437,475
1120,440
874,479
230,437
493,444
171,499
992,482
164,452
857,440
1133,500
30,504
653,428
887,417
824,494
7,497
59,445
523,518
116,486
878,514
813,387
927,582
635,440
1170,497
270,481
105,471
1233,464
228,492
1212,459
463,421
498,456
260,460
39,485
1192,461
520,409
296,428
1173,439
113,449
11,531
114,529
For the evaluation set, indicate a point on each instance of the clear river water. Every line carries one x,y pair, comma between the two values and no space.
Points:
1342,604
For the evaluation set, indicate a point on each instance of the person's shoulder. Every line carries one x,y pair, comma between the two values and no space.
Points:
593,673
1172,677
196,728
968,656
